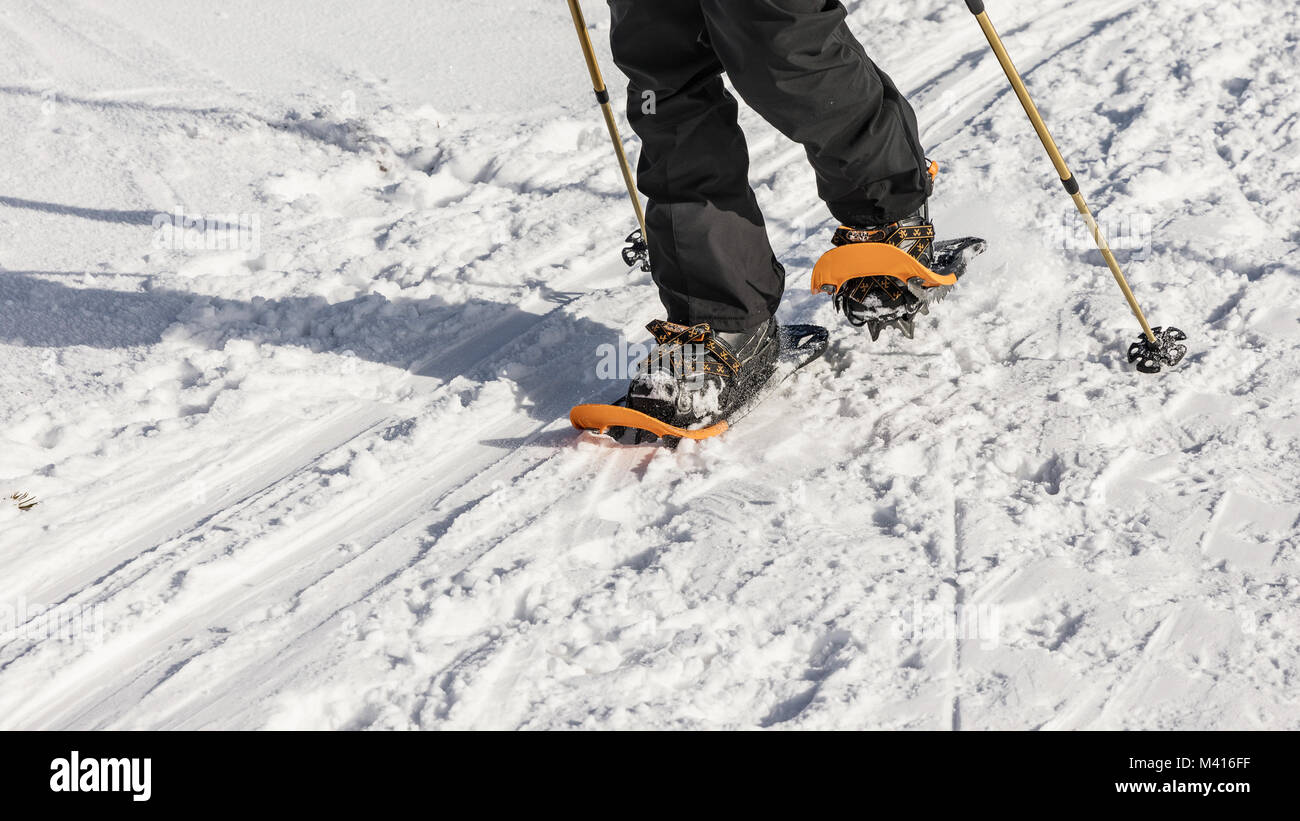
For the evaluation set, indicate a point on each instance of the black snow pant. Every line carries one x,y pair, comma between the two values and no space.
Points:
797,64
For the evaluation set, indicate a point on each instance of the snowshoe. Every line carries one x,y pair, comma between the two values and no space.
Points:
697,381
884,276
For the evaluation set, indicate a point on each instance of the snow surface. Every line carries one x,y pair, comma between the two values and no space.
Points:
327,481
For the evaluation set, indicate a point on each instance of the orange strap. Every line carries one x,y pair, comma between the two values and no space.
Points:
601,418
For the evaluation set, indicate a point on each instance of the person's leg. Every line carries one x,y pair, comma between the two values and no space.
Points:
798,65
709,248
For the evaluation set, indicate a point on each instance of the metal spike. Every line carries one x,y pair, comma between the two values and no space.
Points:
873,327
907,326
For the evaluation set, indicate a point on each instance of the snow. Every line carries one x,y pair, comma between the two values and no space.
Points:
323,478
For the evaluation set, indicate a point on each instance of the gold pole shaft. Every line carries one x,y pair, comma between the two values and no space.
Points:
602,97
1067,178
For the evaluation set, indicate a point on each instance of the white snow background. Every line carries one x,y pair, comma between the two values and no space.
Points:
325,479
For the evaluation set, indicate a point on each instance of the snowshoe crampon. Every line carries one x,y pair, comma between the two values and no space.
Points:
799,345
879,285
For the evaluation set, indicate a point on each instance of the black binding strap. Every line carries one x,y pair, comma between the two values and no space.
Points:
671,333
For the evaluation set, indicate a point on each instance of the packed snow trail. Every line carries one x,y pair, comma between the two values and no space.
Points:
327,481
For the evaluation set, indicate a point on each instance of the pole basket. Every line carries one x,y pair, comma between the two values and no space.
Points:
637,252
1150,356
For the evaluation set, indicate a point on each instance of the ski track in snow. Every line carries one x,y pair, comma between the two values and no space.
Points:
331,484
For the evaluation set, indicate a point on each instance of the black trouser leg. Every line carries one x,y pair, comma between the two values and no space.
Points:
709,248
797,64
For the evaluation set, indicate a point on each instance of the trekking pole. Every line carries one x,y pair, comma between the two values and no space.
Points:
1157,346
637,251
